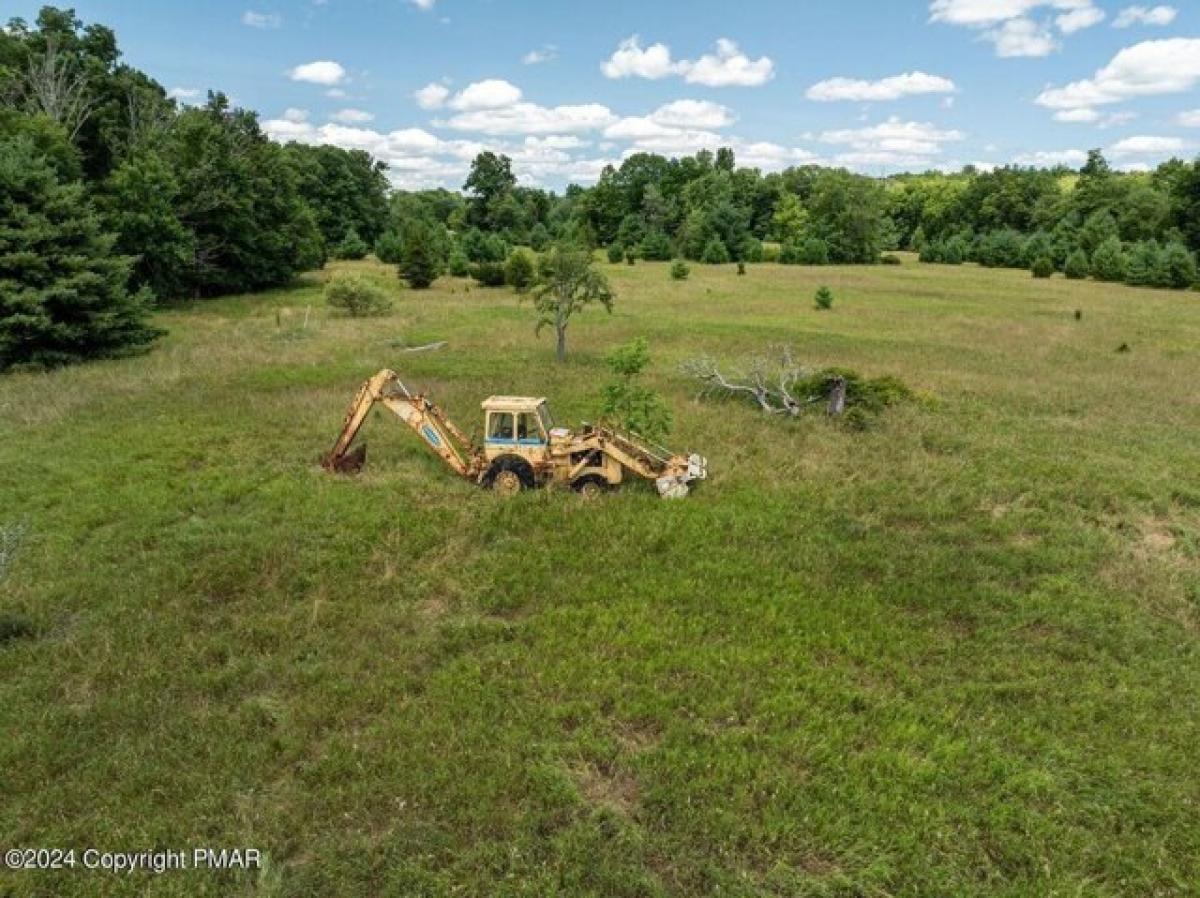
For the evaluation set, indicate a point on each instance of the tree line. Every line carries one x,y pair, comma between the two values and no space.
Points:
115,198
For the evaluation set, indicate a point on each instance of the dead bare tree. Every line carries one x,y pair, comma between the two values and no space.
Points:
56,86
775,383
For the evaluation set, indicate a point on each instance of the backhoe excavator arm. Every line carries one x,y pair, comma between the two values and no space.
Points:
429,421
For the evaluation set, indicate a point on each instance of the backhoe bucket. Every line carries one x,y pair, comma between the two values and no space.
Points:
350,463
676,486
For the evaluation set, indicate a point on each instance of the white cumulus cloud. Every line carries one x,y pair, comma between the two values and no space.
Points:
1019,28
530,118
323,71
545,53
1050,158
432,96
893,88
727,66
693,114
353,116
262,19
893,142
1145,15
492,93
1146,145
1145,69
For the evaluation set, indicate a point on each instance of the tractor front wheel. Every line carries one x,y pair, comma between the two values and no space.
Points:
590,486
510,475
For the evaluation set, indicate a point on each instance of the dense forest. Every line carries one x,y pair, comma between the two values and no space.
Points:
114,198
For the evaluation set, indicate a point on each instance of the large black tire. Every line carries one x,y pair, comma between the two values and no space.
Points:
509,475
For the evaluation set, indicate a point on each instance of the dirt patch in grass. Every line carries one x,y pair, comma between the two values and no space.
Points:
609,787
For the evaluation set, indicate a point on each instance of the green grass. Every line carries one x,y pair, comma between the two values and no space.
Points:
955,654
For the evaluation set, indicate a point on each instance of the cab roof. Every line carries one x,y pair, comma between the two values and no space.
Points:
513,403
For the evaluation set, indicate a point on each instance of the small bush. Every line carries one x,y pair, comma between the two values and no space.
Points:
630,256
1179,266
519,271
488,274
770,252
656,247
823,299
615,253
1077,267
389,248
1108,262
789,254
814,251
1043,267
539,237
680,270
741,268
890,259
420,262
1143,265
356,296
715,253
352,246
752,250
460,265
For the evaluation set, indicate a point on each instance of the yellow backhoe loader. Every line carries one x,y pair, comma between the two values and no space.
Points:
522,449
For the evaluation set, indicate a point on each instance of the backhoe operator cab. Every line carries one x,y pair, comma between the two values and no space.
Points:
524,449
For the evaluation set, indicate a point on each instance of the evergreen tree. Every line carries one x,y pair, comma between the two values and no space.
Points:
1178,266
389,248
519,271
1077,267
715,253
1108,262
1143,265
420,263
352,246
656,247
63,288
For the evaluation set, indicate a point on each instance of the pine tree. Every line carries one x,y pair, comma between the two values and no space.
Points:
63,288
1179,266
1077,267
1108,262
420,265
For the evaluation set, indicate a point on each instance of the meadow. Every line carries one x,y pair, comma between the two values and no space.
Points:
956,653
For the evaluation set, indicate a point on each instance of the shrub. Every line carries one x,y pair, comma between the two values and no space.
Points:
955,251
615,253
1108,262
460,265
1043,267
356,296
1179,266
741,268
680,270
630,256
932,252
539,237
789,254
1077,267
890,259
628,404
1143,265
389,248
420,264
752,250
814,251
771,252
823,298
715,253
656,247
481,247
519,270
1001,249
489,274
352,246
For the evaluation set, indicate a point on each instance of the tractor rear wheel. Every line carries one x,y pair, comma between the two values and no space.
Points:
510,475
590,486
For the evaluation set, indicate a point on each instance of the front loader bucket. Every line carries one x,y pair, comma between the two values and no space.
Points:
350,463
676,486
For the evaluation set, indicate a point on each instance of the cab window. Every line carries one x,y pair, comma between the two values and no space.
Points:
501,426
528,430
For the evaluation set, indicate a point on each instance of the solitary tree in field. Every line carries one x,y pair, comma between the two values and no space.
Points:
419,262
566,283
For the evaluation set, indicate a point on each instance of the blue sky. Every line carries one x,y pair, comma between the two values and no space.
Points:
565,88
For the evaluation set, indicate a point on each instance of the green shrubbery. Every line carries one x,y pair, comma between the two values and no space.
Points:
519,271
823,299
1077,267
615,253
625,402
352,246
1042,267
656,247
389,248
715,253
356,296
680,270
420,263
1108,261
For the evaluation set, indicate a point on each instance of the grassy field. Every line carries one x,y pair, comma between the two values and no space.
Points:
955,654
